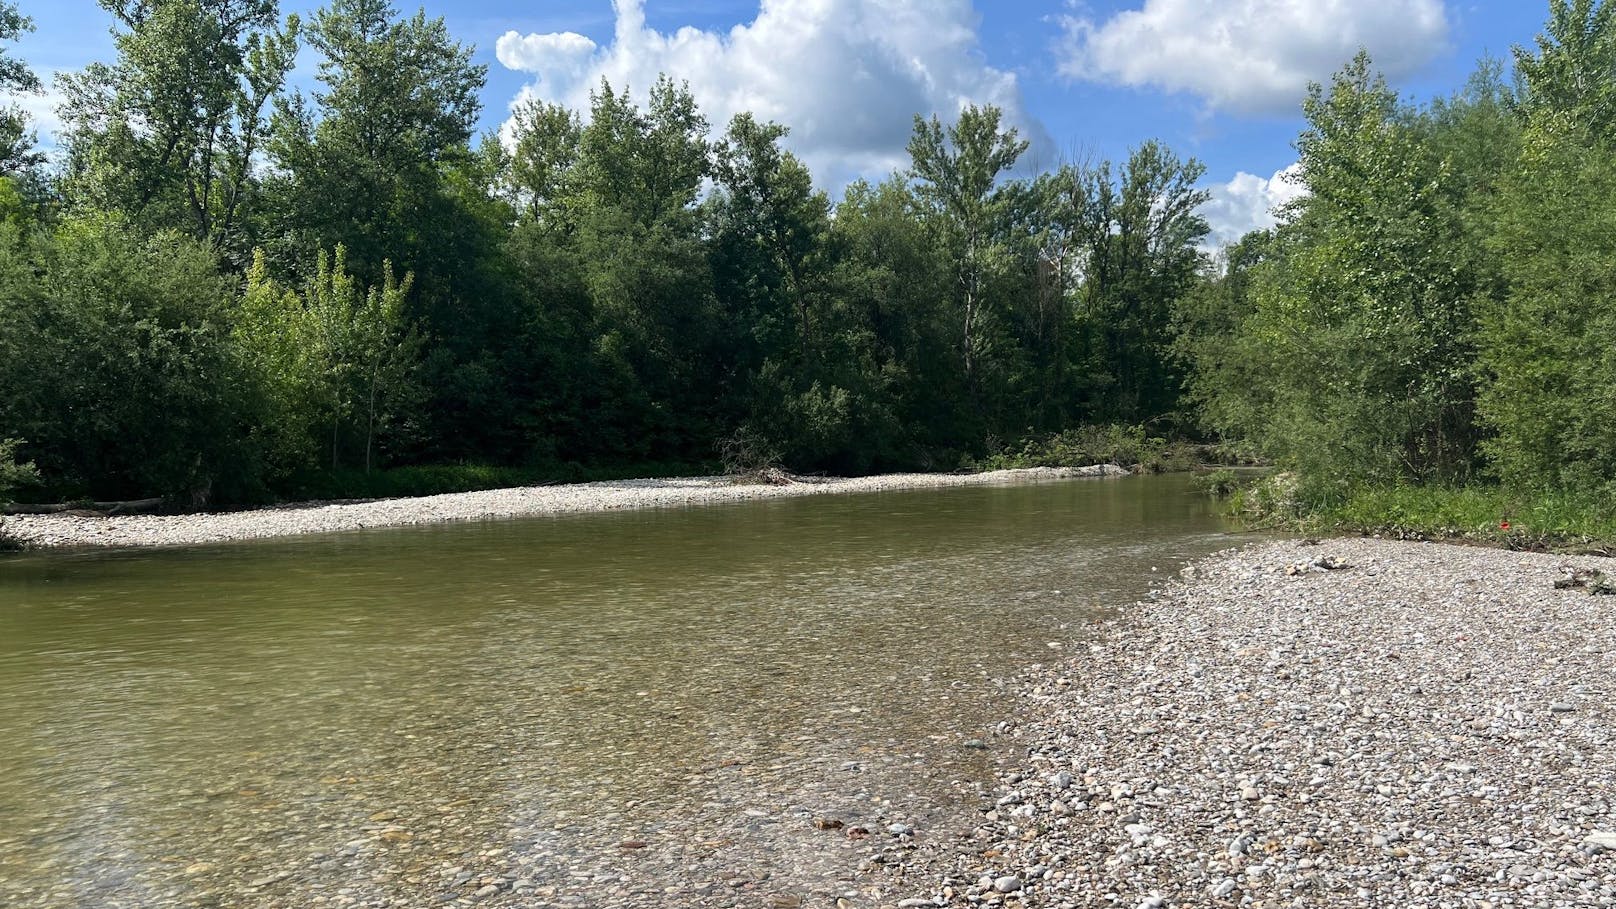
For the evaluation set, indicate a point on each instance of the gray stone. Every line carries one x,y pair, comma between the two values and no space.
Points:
1009,883
1602,839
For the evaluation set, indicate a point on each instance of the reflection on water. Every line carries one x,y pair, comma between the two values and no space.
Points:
396,717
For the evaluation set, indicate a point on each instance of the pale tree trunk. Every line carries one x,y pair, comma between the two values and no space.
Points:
370,417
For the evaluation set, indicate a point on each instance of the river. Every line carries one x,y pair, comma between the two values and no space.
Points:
636,708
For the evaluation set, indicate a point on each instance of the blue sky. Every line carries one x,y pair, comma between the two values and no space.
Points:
1220,81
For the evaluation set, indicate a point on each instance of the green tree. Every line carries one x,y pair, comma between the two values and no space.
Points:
335,365
655,334
365,352
362,162
769,204
813,392
893,292
1127,244
1572,74
1361,314
1228,383
116,363
279,347
1545,339
546,141
168,134
16,138
14,473
958,170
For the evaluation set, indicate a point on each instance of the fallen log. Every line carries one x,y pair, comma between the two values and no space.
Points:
134,506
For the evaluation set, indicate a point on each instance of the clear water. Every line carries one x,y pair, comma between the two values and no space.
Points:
395,717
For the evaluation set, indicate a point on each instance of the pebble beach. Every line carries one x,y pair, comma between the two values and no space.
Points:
1357,723
70,530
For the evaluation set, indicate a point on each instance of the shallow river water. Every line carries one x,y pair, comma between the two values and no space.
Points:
637,708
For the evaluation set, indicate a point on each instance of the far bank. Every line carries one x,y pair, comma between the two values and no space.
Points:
78,530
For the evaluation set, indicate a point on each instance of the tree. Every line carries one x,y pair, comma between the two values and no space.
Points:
168,134
957,172
769,204
1361,309
116,365
893,289
361,163
1573,71
1545,338
646,166
545,147
656,336
364,349
815,392
279,348
1228,382
14,474
334,365
1546,345
16,138
1127,244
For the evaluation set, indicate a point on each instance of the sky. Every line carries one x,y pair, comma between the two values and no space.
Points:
1217,80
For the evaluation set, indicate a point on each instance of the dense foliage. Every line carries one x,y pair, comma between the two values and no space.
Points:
220,289
1438,309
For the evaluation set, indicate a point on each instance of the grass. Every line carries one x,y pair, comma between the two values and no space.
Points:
1487,514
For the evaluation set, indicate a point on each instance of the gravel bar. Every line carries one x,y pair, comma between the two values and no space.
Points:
81,530
1355,723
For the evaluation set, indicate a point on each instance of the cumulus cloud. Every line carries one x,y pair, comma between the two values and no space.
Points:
1249,56
1248,203
558,57
847,76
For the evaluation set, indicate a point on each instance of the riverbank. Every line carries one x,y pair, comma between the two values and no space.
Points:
77,530
1577,521
1355,723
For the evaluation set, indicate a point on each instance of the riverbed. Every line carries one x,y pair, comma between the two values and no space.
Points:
1352,723
729,705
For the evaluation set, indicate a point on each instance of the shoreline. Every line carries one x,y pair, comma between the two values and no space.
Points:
69,531
1356,722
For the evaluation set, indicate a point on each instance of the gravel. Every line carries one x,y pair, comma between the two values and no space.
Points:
1416,725
80,530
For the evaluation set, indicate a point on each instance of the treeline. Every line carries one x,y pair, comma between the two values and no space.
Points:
218,285
1440,308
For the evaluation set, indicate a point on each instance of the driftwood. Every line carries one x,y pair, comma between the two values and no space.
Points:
135,506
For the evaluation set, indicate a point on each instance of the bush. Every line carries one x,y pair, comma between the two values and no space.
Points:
1220,484
116,363
14,474
1272,501
1124,446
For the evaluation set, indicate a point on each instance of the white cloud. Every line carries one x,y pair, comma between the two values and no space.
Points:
1250,56
555,57
40,108
1248,203
847,76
